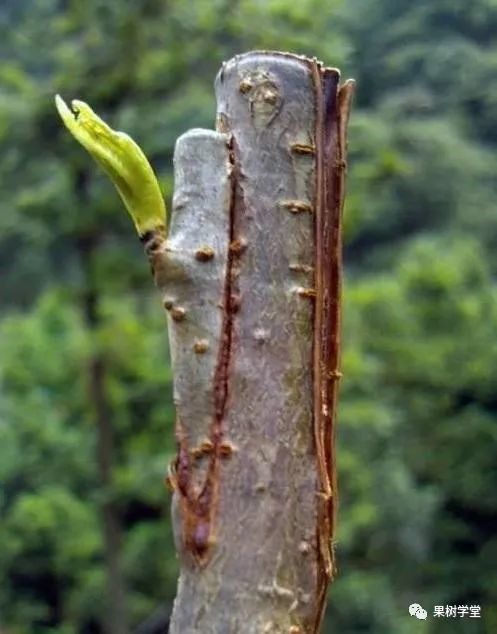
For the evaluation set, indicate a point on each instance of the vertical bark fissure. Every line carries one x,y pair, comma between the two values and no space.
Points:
207,502
322,528
221,377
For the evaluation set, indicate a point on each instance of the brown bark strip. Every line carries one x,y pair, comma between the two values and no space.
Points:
331,267
324,495
221,378
332,110
339,169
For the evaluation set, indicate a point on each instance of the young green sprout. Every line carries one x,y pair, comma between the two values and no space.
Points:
122,160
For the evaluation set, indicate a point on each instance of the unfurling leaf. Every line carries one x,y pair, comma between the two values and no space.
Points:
123,161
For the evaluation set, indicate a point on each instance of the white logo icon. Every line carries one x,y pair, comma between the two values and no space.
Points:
416,610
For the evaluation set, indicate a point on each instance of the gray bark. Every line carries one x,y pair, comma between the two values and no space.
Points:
250,275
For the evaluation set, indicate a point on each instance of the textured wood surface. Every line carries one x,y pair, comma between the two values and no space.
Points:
250,276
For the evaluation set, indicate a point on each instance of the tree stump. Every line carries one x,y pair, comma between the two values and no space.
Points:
250,276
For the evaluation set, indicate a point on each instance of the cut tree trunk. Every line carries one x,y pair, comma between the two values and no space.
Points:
250,275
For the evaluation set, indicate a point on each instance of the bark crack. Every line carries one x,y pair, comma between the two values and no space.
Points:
199,510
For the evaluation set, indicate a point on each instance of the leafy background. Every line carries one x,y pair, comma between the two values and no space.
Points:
86,412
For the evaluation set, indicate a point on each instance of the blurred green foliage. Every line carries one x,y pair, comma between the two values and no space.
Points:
418,411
